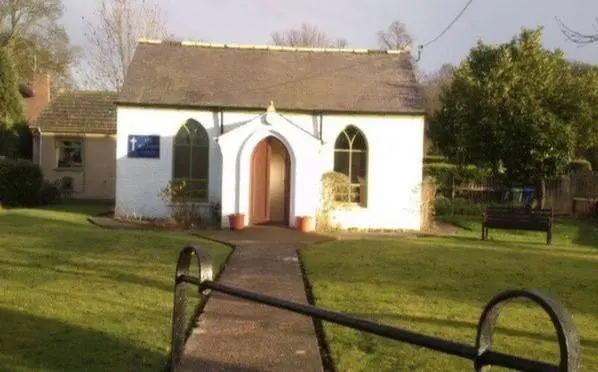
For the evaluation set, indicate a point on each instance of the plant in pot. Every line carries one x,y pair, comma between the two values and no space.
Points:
236,221
183,208
303,223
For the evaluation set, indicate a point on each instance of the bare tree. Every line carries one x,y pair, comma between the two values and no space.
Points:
112,38
578,37
306,36
395,36
35,39
432,86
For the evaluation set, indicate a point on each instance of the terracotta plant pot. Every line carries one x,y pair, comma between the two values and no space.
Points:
303,223
236,221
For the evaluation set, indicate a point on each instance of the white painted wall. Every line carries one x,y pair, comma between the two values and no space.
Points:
139,181
394,169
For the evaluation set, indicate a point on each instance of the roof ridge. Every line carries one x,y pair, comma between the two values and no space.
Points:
190,43
76,92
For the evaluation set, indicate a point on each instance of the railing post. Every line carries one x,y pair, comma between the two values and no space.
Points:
179,316
568,338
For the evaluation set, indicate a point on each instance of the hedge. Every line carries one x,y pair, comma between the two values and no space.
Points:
21,183
579,165
465,207
430,159
444,173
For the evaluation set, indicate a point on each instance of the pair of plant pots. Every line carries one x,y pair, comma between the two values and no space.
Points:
303,223
237,222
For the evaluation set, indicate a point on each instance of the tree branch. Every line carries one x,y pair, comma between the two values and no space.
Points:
576,36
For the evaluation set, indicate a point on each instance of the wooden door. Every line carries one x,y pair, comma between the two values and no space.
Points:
287,188
260,183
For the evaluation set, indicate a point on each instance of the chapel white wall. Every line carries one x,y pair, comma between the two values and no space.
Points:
394,163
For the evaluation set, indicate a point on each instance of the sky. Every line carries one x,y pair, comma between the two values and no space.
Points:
358,21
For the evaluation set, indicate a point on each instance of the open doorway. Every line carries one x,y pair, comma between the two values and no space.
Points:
270,183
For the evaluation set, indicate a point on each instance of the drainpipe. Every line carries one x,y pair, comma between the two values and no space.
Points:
221,121
39,147
320,129
37,133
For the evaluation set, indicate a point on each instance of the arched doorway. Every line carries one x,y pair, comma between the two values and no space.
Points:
270,183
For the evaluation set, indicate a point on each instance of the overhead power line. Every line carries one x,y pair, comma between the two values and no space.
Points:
441,34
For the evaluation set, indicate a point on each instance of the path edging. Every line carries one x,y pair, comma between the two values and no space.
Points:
325,355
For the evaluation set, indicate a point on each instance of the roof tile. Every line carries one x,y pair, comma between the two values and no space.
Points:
80,112
206,75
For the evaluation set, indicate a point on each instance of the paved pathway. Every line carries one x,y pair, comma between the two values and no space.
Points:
236,335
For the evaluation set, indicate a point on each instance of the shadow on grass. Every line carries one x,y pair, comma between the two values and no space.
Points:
587,231
32,342
532,336
106,273
83,208
566,231
468,273
529,246
29,218
40,343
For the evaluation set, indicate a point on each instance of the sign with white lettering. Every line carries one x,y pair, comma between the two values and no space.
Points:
142,146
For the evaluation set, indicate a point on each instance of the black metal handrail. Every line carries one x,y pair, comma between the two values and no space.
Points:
481,354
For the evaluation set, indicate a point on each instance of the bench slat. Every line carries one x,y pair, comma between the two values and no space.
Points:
520,226
510,218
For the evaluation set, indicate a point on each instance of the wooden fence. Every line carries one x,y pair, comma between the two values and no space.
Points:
572,194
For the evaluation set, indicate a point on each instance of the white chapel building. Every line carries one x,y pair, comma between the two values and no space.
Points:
254,128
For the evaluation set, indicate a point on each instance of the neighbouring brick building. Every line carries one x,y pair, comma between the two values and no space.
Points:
76,142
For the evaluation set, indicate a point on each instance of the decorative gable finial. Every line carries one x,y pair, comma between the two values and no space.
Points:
271,107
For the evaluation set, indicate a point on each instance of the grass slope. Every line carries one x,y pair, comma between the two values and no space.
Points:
439,286
78,297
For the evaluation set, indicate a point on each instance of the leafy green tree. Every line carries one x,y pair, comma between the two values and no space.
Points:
519,107
11,109
35,38
10,98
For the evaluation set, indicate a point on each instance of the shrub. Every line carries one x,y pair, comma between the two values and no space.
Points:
445,173
458,206
20,183
428,196
579,165
465,207
430,159
16,142
49,193
333,184
183,209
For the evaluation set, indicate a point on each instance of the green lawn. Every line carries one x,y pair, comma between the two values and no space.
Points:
76,297
438,286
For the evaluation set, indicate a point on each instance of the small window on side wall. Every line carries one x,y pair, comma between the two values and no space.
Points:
351,159
69,153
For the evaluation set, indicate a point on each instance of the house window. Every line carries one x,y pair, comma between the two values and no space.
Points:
351,159
69,153
191,159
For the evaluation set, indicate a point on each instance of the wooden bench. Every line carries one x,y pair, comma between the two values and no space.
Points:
509,218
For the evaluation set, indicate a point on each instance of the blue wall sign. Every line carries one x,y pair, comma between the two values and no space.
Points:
143,147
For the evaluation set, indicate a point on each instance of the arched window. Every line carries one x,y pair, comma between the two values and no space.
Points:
191,159
351,159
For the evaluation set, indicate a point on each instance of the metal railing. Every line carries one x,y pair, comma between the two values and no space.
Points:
481,354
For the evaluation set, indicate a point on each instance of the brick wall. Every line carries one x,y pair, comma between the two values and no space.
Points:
35,105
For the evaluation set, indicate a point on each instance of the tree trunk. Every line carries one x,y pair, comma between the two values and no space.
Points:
540,192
